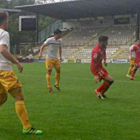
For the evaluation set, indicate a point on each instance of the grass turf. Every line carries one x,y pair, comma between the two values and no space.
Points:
75,113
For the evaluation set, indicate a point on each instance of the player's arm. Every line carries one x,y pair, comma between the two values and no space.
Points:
41,50
130,52
95,61
105,63
60,53
4,51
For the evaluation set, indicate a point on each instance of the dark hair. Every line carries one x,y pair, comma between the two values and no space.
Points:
57,31
3,16
102,38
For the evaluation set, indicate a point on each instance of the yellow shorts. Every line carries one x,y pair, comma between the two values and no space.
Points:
52,63
8,81
132,62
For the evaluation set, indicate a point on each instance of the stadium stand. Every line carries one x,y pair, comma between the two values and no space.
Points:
81,36
86,38
78,42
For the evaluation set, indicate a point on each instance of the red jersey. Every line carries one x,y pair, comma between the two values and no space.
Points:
136,49
98,55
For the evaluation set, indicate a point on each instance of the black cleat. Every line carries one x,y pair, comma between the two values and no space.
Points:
105,96
131,78
57,87
99,95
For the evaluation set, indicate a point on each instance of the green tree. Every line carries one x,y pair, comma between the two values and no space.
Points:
20,37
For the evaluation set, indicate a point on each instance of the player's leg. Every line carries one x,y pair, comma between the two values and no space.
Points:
48,78
132,67
22,112
3,95
132,63
108,81
20,107
130,70
57,75
133,72
49,67
97,78
12,85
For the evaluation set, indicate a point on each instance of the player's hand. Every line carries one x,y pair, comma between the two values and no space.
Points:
105,64
20,67
96,79
40,56
61,59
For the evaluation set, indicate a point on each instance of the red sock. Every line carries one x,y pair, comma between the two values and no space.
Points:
106,87
101,87
133,72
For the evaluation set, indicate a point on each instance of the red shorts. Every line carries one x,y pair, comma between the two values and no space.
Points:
101,73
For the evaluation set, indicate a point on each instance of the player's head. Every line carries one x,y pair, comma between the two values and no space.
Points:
103,41
57,34
138,42
4,19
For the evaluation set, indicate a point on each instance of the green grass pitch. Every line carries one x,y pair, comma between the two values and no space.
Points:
75,113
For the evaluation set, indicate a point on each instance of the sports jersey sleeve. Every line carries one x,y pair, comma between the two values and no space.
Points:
133,49
4,39
47,42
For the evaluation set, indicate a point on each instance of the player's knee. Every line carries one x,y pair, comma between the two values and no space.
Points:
19,95
132,66
49,72
19,98
58,71
112,80
3,98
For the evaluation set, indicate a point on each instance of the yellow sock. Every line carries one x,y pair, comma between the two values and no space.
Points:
22,114
48,78
57,78
130,70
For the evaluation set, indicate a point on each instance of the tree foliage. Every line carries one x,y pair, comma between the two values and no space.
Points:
20,37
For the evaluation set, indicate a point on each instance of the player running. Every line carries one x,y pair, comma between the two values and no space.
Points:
98,55
53,45
131,60
8,80
136,49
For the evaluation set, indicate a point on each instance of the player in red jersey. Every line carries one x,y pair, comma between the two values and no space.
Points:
98,55
136,49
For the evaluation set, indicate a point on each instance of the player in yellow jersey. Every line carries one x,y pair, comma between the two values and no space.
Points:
54,45
9,82
131,61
